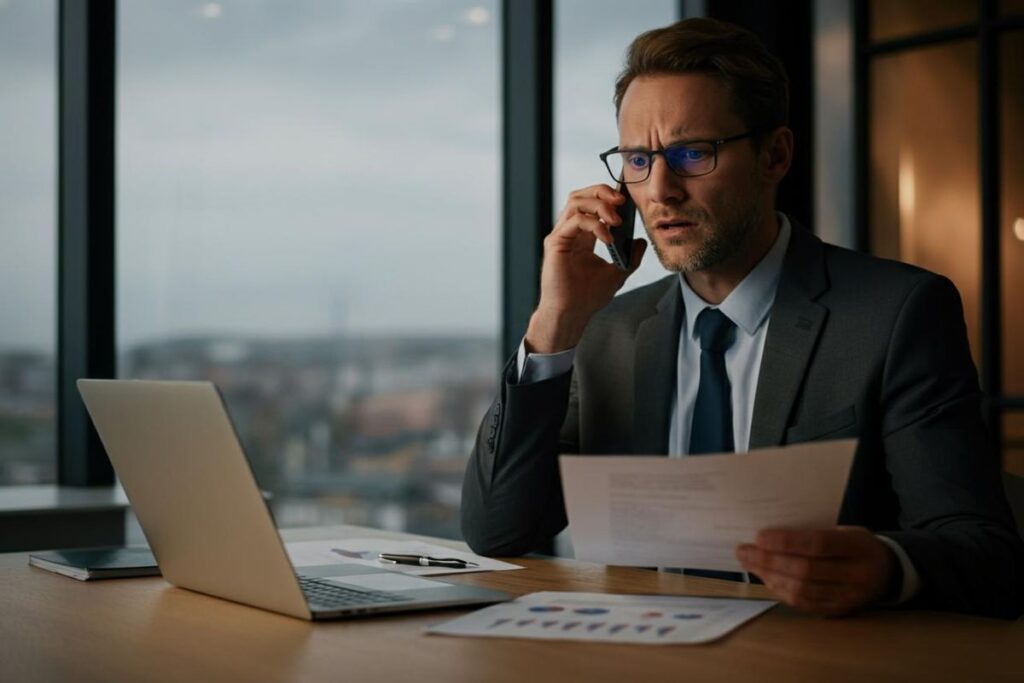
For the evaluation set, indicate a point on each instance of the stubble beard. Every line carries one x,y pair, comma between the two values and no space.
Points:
718,241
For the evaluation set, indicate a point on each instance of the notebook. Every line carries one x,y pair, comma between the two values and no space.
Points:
86,564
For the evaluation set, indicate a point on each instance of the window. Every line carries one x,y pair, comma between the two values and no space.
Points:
28,230
590,46
308,215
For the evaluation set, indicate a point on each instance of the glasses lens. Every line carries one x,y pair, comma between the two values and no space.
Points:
691,159
631,167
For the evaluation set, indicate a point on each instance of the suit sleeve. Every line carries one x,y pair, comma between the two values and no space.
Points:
512,492
955,524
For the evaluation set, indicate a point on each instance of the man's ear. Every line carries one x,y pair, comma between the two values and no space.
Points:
777,154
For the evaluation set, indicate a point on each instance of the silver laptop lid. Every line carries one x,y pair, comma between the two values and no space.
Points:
176,453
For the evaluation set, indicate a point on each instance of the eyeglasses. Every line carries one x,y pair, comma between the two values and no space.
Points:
692,158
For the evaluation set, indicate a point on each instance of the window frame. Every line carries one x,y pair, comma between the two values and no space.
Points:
86,343
86,101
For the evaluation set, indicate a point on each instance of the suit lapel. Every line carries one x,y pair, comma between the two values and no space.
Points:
793,330
656,356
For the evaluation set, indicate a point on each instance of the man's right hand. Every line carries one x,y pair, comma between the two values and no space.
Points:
575,282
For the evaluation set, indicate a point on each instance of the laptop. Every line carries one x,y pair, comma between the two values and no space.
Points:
177,455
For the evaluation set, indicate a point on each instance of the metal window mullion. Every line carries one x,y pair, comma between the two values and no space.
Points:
861,126
85,220
989,161
929,39
527,161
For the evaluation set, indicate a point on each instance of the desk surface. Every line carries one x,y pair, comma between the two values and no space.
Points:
56,629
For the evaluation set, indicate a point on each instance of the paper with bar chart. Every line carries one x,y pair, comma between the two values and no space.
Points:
598,617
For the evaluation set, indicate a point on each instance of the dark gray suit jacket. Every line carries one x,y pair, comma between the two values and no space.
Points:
856,346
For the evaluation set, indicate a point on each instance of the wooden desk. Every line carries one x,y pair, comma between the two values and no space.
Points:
56,629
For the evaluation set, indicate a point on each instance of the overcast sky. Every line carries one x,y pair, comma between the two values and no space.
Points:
297,168
27,183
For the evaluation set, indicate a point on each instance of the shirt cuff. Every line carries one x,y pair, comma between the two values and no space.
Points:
911,579
537,367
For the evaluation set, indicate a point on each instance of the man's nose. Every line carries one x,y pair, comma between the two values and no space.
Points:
664,186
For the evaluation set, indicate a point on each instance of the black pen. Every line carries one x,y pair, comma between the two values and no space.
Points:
425,561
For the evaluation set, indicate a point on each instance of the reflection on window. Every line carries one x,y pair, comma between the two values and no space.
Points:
925,206
1012,213
1012,240
308,216
27,228
592,37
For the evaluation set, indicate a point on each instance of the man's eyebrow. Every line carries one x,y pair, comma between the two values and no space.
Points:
681,135
675,139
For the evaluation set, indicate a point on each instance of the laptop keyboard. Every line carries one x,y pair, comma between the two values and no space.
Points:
326,595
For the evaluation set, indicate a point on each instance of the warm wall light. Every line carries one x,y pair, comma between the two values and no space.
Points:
1018,229
907,194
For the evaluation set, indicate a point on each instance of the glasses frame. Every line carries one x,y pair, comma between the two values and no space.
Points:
715,144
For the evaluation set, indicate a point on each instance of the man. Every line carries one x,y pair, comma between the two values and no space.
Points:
766,336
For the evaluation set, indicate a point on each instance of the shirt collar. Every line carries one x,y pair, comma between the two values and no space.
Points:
749,303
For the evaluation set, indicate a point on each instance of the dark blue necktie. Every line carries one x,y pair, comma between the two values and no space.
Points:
712,412
711,430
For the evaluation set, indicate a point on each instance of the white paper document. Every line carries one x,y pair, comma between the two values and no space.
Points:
646,619
364,551
694,511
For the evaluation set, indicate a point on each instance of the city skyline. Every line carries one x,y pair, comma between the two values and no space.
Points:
366,429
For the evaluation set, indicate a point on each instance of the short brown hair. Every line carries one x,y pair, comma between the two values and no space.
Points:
754,77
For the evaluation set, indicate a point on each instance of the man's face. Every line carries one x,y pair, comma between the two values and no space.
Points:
694,223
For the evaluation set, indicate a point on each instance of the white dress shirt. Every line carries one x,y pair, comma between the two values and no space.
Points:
748,306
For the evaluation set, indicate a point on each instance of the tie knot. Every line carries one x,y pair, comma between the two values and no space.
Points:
714,330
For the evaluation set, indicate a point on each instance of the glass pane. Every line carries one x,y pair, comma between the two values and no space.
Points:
925,203
308,215
1013,442
592,37
1012,7
28,209
891,19
1012,214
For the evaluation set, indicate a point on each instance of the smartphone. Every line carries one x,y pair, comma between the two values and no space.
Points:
622,234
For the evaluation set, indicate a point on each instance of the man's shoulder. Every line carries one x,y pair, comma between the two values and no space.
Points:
868,277
845,260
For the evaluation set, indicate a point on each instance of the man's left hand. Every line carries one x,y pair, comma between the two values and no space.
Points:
828,572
